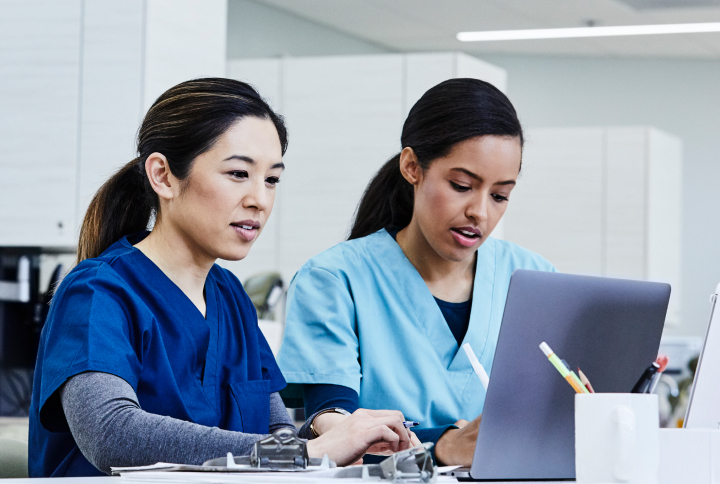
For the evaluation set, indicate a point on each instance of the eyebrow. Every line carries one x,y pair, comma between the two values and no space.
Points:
473,175
247,159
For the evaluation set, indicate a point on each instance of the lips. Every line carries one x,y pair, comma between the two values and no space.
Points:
466,236
246,229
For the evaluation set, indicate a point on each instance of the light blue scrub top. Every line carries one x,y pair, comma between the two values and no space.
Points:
360,315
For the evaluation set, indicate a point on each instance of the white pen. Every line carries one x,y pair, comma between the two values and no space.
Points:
479,370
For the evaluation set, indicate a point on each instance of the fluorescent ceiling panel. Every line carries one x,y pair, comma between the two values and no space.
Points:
532,34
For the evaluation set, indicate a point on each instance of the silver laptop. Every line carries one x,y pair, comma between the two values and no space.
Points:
703,409
610,328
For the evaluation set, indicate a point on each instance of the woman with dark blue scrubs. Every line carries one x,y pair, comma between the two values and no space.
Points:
151,352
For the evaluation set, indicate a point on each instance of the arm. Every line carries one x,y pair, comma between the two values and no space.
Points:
111,429
279,416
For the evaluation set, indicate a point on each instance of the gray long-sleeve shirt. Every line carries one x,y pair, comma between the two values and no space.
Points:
111,429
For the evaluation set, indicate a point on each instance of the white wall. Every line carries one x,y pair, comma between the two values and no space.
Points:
680,97
256,30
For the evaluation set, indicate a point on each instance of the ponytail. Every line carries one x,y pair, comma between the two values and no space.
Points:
183,123
388,200
119,208
447,114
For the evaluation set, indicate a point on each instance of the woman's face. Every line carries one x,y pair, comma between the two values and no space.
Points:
226,200
461,197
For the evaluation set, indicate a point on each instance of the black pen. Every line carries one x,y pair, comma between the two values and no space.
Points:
645,381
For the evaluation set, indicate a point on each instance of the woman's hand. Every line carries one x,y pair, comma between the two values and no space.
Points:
457,446
346,439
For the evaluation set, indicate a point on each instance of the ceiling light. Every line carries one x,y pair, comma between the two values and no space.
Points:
587,32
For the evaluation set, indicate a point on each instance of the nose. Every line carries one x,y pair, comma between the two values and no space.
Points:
478,208
257,196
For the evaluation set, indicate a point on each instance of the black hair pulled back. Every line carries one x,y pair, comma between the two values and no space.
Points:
183,123
448,113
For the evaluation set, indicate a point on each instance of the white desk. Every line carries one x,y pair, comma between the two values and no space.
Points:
254,479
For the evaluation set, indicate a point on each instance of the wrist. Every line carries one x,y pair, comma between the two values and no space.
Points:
444,447
326,420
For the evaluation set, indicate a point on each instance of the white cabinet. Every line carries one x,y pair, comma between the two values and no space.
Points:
39,92
344,116
602,201
112,89
76,76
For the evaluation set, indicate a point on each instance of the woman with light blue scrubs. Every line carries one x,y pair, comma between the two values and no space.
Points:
376,322
151,352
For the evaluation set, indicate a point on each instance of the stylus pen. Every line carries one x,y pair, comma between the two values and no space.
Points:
410,424
479,370
564,372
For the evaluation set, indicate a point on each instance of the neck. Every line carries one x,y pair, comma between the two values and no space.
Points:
433,268
182,262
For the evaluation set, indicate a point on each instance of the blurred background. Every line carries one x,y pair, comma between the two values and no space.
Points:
621,167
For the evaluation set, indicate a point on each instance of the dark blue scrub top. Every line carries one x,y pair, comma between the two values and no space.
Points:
120,314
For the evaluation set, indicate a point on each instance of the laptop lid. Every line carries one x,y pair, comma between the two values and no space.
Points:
703,409
610,328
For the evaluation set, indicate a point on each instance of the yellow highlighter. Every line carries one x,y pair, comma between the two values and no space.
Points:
570,376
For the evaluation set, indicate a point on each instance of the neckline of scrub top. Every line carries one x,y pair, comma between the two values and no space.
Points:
185,309
428,313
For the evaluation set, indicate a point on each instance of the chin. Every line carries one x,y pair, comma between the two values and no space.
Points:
235,253
456,254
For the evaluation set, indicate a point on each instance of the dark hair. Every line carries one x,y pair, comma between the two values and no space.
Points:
453,111
184,122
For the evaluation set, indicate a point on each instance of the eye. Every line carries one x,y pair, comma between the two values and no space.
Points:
459,188
272,180
499,198
238,174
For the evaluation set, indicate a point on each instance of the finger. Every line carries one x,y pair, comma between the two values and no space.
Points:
378,449
382,434
358,462
397,427
414,439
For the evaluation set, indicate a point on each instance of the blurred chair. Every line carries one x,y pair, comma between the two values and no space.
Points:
265,291
13,458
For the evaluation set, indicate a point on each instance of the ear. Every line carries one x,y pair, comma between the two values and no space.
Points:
161,179
409,166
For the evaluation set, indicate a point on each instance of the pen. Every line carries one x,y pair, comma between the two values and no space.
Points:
645,381
663,362
573,375
408,424
571,378
479,370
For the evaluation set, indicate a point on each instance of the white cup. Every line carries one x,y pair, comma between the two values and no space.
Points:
616,438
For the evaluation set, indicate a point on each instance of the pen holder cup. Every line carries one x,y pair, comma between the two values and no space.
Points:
616,438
